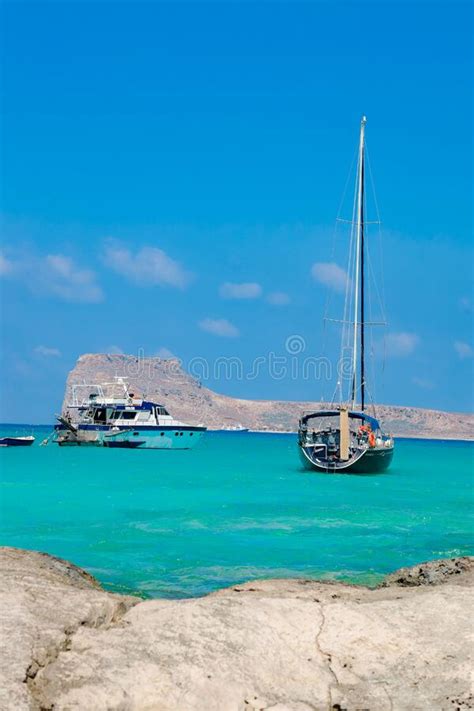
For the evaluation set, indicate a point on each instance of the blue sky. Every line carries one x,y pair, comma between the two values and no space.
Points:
171,173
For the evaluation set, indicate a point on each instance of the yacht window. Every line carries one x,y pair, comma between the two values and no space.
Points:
99,414
128,415
161,411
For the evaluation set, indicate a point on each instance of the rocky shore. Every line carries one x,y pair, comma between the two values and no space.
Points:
284,645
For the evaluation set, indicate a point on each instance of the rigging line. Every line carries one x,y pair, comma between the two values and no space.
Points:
372,359
359,279
349,175
371,346
384,344
375,286
372,184
366,222
372,402
353,256
348,300
381,252
342,345
334,395
374,279
371,283
351,323
369,301
333,248
329,295
381,292
348,345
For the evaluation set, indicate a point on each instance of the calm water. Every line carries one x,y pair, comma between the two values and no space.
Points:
237,507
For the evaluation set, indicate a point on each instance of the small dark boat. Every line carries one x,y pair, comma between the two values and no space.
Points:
16,441
345,439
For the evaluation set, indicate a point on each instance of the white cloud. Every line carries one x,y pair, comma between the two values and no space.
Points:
246,290
48,352
6,266
219,327
464,350
149,266
59,275
164,353
423,383
113,350
401,344
330,274
23,368
278,298
54,274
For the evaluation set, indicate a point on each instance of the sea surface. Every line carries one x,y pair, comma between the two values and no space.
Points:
238,507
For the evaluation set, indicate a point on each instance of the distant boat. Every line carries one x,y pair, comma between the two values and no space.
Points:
111,416
233,427
16,441
345,438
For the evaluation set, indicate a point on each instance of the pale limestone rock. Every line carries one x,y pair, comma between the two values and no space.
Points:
43,601
275,645
164,380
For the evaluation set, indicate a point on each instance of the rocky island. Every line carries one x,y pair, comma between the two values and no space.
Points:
165,381
273,645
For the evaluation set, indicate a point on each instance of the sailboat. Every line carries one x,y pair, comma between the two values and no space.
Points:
347,439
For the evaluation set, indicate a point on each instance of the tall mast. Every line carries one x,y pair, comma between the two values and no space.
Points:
359,273
362,285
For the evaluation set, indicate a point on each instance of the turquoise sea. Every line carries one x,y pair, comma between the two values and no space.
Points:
238,507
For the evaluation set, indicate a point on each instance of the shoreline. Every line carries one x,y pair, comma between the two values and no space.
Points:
275,644
417,436
420,437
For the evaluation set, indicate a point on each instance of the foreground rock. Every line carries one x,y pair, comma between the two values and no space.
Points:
43,602
277,644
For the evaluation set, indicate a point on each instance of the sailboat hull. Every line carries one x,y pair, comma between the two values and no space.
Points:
370,461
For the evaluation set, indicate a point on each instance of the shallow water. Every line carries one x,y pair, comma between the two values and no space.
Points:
238,507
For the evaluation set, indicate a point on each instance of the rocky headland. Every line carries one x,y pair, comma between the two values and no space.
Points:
279,645
165,381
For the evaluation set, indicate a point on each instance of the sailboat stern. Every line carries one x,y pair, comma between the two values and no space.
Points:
343,441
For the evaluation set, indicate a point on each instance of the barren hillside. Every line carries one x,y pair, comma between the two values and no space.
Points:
166,382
